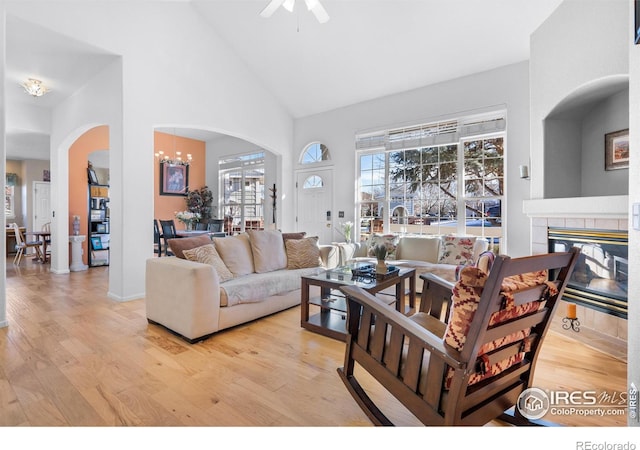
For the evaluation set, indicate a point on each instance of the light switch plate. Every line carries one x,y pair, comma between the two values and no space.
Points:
636,216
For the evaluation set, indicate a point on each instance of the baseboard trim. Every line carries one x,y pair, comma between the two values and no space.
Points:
121,299
4,323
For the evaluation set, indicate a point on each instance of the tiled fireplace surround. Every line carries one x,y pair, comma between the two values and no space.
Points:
600,330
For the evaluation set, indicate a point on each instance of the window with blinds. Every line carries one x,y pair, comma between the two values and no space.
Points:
434,178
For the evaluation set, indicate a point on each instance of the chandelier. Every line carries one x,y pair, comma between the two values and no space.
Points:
176,160
34,87
312,5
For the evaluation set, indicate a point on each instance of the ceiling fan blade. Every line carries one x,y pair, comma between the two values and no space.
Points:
320,13
271,8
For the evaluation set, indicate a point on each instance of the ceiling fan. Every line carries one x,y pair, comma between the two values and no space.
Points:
312,5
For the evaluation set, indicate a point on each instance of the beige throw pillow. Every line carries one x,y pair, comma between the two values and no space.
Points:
207,254
303,253
268,250
235,251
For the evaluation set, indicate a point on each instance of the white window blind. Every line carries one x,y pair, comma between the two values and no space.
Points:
431,134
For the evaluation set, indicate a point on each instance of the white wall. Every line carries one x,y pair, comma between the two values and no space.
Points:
580,43
611,115
157,83
503,87
633,338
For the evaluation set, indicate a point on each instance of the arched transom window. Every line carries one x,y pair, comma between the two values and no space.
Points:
314,153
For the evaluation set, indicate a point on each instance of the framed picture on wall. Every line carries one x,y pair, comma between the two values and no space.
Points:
616,149
174,179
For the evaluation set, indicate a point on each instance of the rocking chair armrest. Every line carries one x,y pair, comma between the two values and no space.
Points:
433,343
436,296
432,278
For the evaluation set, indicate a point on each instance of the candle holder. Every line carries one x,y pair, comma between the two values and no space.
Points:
571,323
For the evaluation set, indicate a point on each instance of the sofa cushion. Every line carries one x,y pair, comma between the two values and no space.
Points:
207,254
457,249
179,245
257,287
235,251
388,240
303,253
419,248
268,250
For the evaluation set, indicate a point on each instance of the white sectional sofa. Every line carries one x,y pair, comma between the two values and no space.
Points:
441,255
211,285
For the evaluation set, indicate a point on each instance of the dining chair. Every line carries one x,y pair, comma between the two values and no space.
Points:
157,238
168,228
47,239
22,245
216,225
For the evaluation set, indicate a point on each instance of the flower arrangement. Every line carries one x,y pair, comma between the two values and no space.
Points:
188,217
199,201
347,227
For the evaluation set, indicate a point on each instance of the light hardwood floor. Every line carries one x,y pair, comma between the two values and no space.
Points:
73,357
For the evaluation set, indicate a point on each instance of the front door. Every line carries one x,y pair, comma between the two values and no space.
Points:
315,203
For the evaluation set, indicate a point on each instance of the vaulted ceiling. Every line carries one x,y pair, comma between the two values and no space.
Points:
368,49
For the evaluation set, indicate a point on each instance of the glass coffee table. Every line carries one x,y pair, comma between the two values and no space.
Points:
330,305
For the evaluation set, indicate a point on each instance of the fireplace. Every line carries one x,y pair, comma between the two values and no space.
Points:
599,280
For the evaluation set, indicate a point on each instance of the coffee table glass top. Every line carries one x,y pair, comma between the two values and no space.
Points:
351,274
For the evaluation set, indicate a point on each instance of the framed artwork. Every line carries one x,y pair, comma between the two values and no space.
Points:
616,150
93,178
96,243
174,179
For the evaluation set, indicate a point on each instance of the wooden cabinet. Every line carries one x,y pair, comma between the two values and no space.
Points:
99,233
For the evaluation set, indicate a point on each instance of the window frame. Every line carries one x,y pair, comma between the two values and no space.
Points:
378,143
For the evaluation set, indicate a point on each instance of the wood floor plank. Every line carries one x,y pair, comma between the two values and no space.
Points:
72,356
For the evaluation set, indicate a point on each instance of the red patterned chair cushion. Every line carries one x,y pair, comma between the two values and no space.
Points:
466,296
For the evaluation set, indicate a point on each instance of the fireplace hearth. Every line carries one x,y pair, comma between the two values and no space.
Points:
599,280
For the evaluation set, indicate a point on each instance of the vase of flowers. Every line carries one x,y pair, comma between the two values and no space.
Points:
188,218
347,227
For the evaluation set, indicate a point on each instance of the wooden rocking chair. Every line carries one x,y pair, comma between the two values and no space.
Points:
472,369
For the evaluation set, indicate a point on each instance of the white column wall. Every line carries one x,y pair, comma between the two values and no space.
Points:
163,70
633,338
499,88
3,169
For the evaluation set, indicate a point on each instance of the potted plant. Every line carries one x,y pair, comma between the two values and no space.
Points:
380,251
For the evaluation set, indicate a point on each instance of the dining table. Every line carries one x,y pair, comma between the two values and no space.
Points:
191,233
45,237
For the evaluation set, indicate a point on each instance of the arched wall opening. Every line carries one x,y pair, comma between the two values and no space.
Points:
574,140
91,141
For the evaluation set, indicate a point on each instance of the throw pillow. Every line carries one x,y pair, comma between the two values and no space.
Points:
207,254
268,250
235,251
303,253
457,250
388,240
179,245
